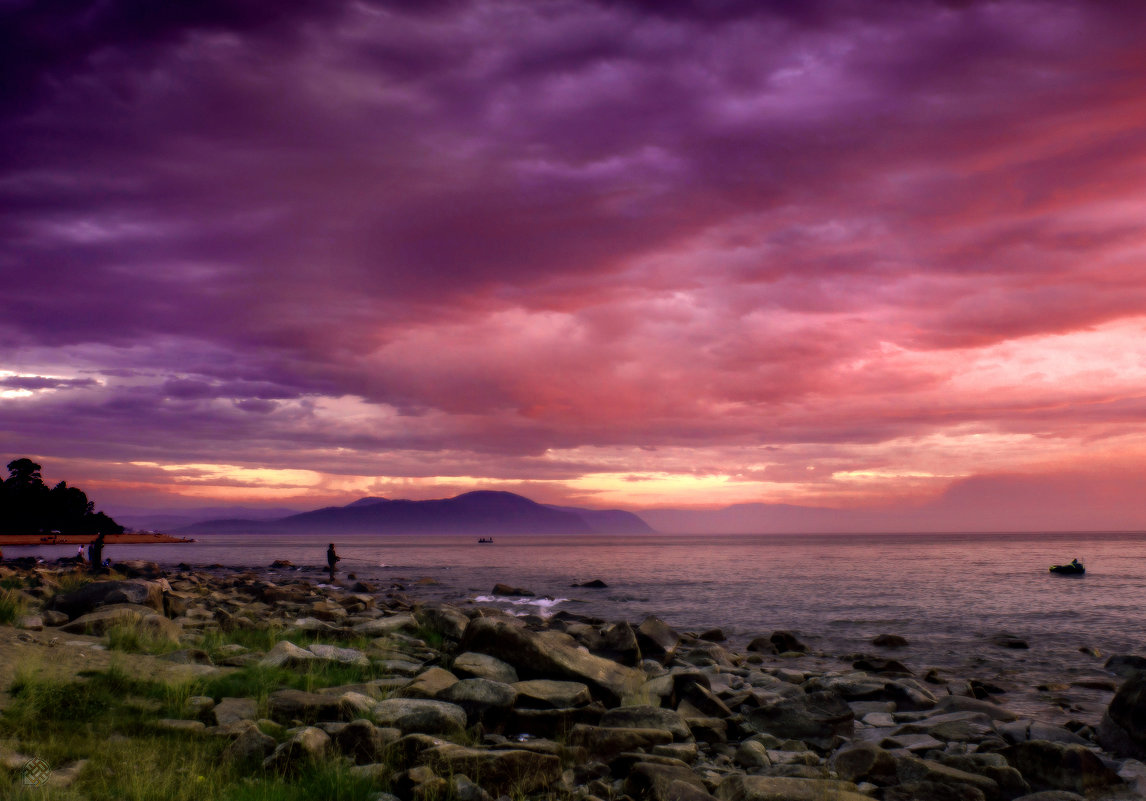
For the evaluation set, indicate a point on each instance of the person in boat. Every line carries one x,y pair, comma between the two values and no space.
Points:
332,559
95,553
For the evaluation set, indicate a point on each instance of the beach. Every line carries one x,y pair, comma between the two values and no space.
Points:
392,689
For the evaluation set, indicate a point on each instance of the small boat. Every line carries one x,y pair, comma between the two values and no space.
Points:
485,540
1072,568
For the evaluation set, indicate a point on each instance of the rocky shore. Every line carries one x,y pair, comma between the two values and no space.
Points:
419,699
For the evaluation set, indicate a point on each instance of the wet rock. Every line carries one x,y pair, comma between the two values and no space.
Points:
933,791
1123,726
656,638
484,666
306,746
819,718
993,766
1059,766
550,655
647,717
514,592
890,641
421,716
786,641
595,584
1009,641
738,787
912,769
872,664
500,771
763,645
548,694
712,635
1126,665
139,568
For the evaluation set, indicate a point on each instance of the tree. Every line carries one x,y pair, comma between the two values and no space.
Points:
27,506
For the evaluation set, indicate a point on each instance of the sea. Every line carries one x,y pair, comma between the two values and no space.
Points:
949,595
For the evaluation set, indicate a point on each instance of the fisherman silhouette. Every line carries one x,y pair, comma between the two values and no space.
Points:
332,559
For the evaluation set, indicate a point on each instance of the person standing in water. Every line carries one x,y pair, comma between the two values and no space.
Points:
332,559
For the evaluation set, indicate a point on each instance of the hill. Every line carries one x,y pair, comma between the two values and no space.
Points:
481,513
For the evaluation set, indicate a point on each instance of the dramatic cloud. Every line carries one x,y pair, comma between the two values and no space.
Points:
655,254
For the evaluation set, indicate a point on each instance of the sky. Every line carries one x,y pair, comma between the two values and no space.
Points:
856,255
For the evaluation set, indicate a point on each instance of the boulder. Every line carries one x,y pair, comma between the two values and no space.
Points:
484,666
148,621
786,641
889,641
865,762
421,716
818,718
1126,665
607,742
933,791
654,781
1060,766
1123,726
500,771
619,643
550,654
647,717
249,746
364,742
549,694
515,592
912,769
287,706
139,568
306,746
739,787
656,638
287,654
232,710
447,621
484,701
104,593
751,755
342,656
762,645
383,626
429,684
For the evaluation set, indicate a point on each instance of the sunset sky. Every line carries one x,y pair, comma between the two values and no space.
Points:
639,254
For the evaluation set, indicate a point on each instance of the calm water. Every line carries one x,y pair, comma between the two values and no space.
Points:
946,593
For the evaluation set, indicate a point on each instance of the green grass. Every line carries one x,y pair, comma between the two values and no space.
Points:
327,780
136,637
265,638
12,607
72,581
12,583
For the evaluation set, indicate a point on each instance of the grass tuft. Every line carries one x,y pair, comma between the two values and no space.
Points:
12,606
138,637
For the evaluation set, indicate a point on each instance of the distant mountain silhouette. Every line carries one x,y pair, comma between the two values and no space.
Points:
484,513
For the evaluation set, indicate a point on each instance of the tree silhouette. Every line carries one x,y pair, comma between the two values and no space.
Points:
27,506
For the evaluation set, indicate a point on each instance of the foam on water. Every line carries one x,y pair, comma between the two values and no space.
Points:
543,607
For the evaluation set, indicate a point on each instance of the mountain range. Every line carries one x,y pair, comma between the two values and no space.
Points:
484,513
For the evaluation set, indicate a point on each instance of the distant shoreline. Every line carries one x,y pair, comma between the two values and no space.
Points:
128,538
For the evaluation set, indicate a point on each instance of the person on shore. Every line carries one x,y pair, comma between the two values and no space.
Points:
80,554
95,553
332,559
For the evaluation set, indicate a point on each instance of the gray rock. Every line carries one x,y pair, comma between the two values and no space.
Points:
364,742
429,684
548,694
484,701
738,787
751,755
819,718
447,621
1126,665
1058,766
1123,726
655,781
90,597
109,616
647,717
656,639
500,771
865,762
287,654
306,746
607,742
342,656
232,710
550,654
383,626
913,769
421,715
286,706
484,666
249,746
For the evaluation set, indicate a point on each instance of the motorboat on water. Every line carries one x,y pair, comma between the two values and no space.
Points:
485,540
1072,568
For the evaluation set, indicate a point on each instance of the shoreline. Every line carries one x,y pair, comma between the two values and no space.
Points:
566,706
127,538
